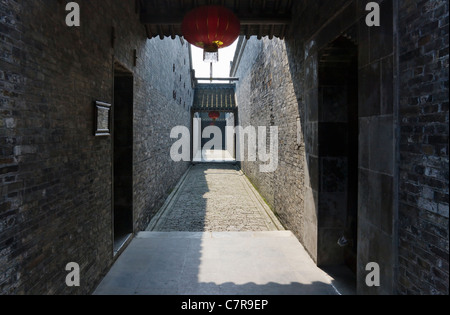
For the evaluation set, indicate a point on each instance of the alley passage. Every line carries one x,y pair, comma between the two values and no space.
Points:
215,235
215,198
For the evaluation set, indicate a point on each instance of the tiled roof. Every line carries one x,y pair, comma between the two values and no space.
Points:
219,97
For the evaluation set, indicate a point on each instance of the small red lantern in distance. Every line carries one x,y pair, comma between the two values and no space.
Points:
214,116
211,28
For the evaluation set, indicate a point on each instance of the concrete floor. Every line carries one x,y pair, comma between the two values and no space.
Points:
216,236
209,263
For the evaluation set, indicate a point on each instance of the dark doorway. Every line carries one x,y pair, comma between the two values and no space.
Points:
221,123
214,147
338,154
123,156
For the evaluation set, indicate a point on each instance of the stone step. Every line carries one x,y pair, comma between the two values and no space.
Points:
205,235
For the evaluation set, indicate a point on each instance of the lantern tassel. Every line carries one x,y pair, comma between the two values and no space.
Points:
211,53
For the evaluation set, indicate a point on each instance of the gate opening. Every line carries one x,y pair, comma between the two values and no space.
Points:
123,156
338,154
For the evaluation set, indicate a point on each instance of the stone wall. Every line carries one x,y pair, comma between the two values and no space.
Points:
266,97
164,96
55,176
321,23
423,198
403,134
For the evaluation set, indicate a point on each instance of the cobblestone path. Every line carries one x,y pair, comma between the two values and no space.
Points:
214,198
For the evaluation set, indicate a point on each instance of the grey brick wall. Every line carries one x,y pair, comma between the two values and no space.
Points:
55,176
403,139
266,97
164,96
423,199
321,23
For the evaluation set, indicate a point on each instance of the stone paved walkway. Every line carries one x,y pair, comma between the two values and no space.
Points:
215,198
215,236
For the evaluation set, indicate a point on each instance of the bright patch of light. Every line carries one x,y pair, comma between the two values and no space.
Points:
221,69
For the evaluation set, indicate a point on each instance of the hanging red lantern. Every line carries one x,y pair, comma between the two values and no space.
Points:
214,116
211,28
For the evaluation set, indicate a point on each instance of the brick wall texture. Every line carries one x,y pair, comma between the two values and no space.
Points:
403,134
266,98
423,143
55,176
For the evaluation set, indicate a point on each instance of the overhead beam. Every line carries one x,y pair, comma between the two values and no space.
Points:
217,79
171,20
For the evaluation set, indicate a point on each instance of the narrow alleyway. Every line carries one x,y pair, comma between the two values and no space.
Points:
126,128
215,235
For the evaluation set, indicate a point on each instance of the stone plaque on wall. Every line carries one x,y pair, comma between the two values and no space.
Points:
102,119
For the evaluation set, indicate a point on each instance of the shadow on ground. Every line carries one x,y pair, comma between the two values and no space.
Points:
186,259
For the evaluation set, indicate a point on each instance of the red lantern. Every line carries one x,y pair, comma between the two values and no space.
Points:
211,28
214,116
